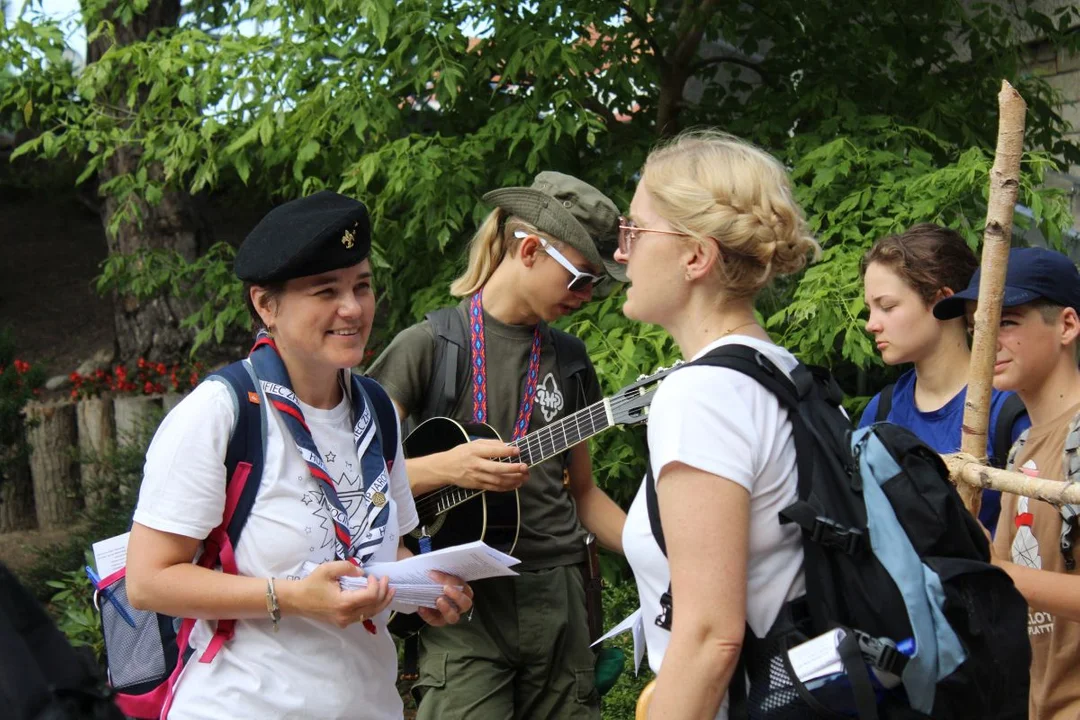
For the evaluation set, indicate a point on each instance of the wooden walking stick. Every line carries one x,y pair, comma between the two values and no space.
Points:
997,236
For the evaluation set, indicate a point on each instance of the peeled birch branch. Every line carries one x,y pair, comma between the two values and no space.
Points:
967,472
997,237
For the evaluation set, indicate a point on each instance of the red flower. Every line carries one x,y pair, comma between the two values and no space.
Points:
148,388
160,368
142,362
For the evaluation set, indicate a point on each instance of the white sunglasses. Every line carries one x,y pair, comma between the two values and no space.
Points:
580,280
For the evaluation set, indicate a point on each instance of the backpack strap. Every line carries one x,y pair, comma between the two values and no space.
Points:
1070,513
386,418
244,461
1011,410
572,360
884,404
451,342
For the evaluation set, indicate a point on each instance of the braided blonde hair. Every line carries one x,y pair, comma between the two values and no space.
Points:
709,184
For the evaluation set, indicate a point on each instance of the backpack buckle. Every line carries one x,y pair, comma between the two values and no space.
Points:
663,620
831,534
881,653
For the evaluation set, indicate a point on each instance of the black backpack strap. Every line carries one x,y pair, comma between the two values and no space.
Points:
248,441
1011,410
572,360
884,404
451,343
386,418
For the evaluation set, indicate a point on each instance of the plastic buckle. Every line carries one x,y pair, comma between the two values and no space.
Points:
663,620
881,653
831,534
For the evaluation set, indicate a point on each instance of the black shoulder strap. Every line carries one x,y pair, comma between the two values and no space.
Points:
451,341
1011,410
572,360
386,418
753,364
248,441
884,404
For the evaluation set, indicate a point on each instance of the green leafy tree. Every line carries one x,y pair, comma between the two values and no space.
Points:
884,111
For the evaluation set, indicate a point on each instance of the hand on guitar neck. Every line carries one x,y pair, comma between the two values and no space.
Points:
477,465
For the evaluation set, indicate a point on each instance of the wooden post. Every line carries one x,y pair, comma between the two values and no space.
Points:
50,431
16,493
134,414
997,237
97,438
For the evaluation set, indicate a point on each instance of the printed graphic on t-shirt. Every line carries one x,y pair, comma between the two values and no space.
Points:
1025,546
350,490
549,397
1025,552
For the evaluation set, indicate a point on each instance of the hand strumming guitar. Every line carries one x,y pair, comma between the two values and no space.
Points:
475,465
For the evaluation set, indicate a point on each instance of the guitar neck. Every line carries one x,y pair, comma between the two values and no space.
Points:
558,437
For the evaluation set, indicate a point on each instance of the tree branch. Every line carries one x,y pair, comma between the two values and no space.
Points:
700,65
591,103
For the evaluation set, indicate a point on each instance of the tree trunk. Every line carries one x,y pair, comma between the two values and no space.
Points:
147,328
997,237
135,416
96,441
16,495
50,431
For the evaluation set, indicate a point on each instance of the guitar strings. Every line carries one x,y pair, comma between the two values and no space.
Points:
593,413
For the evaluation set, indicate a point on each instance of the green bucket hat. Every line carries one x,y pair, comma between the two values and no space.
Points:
569,210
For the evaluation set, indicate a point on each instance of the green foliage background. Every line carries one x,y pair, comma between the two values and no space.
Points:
884,110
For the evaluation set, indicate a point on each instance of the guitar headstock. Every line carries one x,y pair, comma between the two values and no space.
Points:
630,405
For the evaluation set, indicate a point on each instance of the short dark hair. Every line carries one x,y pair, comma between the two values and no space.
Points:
926,256
272,290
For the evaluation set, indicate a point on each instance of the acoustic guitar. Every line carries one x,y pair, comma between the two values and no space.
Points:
454,515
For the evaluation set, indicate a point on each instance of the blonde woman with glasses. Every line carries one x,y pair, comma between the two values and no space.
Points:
713,220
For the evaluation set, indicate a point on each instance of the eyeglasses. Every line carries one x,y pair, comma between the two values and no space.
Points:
628,234
580,280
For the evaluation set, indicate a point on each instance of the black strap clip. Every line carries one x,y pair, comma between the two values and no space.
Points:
882,654
831,534
663,620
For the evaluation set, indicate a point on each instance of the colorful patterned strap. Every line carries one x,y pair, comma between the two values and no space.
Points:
478,351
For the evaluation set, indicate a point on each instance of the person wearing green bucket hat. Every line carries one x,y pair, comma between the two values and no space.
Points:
493,358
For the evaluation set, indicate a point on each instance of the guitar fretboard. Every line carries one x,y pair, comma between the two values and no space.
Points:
536,447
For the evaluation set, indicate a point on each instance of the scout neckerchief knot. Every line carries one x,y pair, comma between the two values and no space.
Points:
479,366
369,520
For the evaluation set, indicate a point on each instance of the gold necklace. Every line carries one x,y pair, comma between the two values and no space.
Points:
731,330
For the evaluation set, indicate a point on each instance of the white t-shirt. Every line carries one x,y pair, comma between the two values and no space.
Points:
308,669
724,423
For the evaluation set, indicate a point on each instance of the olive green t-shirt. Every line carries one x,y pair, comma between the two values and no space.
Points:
550,534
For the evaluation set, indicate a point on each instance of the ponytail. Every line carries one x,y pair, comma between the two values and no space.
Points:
487,249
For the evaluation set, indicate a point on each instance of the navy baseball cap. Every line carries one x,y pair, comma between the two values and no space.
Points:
1033,273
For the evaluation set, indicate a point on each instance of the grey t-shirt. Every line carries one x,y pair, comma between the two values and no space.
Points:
551,534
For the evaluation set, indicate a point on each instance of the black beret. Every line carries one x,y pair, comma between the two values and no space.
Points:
315,234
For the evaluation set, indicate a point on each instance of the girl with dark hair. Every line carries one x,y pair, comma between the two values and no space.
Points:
903,276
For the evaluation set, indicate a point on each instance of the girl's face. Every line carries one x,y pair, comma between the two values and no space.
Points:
903,325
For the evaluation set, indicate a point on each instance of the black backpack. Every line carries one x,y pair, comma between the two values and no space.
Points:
847,582
1001,442
42,677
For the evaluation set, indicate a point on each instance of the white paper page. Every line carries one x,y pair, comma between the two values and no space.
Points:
472,561
110,555
817,657
636,626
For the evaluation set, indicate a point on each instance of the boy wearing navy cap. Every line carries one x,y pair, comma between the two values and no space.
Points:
1036,357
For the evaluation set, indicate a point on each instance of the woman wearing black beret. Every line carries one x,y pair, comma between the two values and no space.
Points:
333,491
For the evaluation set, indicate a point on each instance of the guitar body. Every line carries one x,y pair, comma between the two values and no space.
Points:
493,517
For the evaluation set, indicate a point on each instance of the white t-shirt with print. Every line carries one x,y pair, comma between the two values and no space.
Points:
723,422
308,669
